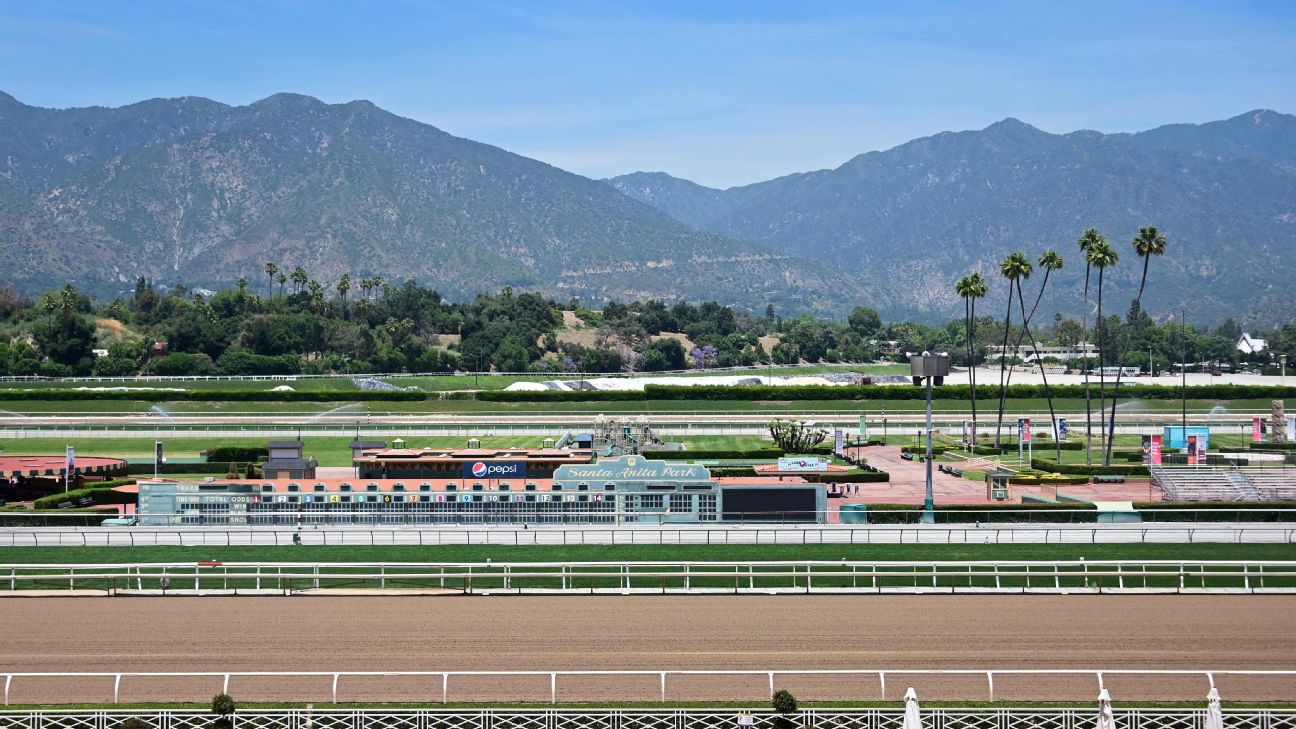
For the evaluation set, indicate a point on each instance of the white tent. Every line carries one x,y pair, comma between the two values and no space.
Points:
912,717
1105,718
1214,716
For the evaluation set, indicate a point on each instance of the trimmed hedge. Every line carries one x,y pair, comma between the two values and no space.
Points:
1080,469
874,392
228,454
714,455
1232,510
74,499
154,395
146,469
970,513
922,449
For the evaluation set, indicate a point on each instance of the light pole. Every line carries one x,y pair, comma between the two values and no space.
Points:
927,370
1282,362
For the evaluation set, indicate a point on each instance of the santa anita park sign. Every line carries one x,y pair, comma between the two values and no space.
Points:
630,469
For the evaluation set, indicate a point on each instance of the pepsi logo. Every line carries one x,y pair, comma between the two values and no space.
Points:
479,469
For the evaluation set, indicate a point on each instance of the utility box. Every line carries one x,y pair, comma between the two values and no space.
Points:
935,366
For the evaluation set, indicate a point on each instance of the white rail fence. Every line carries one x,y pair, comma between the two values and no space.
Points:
661,677
876,718
657,577
1161,533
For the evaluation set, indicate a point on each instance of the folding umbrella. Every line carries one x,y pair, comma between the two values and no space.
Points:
1214,717
1105,718
912,719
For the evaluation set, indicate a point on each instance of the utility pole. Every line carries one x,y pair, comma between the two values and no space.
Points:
928,369
1183,387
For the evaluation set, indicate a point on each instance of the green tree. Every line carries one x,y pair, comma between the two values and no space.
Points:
343,286
865,321
270,270
1149,242
1102,256
1013,267
299,278
511,356
971,287
1088,240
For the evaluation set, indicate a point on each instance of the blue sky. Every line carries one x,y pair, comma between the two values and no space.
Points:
723,93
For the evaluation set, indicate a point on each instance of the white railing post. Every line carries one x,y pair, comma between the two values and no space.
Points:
663,686
771,683
882,682
445,688
335,683
225,685
553,688
117,689
990,682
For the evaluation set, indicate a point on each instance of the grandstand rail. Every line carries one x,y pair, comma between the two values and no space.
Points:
662,678
1072,717
654,577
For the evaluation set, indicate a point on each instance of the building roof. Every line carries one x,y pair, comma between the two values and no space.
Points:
35,466
1251,345
445,455
288,464
285,444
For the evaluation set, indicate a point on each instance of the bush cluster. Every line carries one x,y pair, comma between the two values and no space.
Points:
1080,469
97,496
225,454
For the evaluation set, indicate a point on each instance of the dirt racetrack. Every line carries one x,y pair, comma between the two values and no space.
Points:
654,633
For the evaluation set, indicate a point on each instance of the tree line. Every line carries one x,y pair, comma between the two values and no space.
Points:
290,323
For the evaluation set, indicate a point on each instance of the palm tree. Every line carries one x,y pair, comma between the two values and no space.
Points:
1050,262
971,287
1087,241
1102,256
271,269
49,302
1011,269
299,278
343,286
1149,242
282,278
241,284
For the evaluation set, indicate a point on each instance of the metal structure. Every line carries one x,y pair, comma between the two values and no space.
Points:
1077,717
661,678
634,577
929,369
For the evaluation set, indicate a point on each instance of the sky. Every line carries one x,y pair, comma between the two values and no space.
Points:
722,93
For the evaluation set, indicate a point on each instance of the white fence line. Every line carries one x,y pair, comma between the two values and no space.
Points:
1208,676
663,718
1160,533
684,577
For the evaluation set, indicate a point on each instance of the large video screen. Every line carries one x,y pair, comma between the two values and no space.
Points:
768,503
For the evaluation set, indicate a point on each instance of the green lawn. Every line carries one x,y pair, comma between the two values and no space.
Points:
686,552
329,451
357,409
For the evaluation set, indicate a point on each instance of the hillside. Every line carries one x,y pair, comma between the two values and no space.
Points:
193,191
910,220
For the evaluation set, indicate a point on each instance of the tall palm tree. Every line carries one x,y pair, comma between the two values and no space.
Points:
971,287
282,278
1011,269
299,278
270,270
1087,241
1102,256
48,303
1050,262
343,286
1149,242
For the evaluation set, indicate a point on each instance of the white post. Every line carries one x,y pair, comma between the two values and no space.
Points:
116,689
990,681
882,681
771,683
225,686
553,688
335,682
445,687
663,686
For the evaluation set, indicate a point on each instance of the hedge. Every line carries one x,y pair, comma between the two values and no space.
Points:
840,477
1040,481
1231,510
146,469
1080,469
154,395
714,455
922,449
874,392
969,513
227,454
1212,459
96,497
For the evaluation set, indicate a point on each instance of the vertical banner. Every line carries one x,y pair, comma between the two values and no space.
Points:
967,428
1201,450
1024,429
839,438
69,467
1147,450
863,431
1063,429
1192,450
158,459
1255,429
1156,450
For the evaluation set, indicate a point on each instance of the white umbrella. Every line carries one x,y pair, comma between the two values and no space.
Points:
1105,718
1214,717
912,719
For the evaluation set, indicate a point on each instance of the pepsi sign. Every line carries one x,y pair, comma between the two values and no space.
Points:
495,469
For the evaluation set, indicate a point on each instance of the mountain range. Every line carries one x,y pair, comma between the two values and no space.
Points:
193,191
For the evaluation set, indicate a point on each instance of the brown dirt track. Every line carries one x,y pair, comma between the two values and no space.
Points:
616,632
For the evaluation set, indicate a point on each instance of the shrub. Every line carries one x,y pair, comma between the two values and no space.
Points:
134,723
223,707
769,452
784,703
1080,469
91,496
1264,511
225,454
